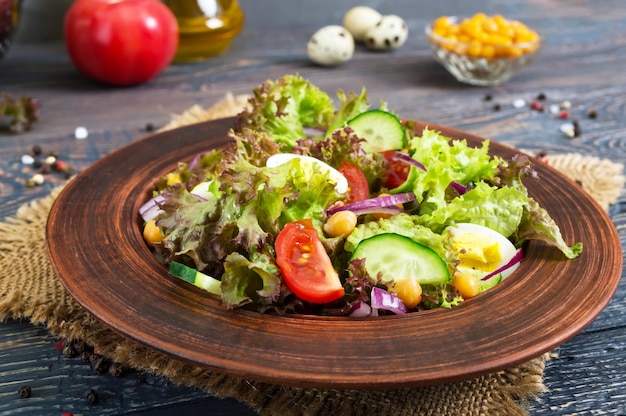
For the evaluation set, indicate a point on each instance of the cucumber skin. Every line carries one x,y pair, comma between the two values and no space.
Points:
396,244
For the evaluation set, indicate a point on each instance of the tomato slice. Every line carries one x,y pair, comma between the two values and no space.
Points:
358,188
397,173
305,265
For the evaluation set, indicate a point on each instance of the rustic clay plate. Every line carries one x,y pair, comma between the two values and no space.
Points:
97,251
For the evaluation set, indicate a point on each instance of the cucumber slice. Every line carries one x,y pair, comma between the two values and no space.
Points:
398,257
382,130
489,283
196,278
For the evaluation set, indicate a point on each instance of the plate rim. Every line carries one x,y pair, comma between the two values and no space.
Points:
117,314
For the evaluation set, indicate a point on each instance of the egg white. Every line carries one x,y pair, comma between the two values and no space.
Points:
506,249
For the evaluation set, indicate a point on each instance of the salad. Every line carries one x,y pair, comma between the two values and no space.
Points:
343,210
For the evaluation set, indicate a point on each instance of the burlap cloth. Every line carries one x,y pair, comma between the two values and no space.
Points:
30,291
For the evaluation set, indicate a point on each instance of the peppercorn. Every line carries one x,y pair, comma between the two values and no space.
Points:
497,107
24,392
36,150
563,114
30,182
536,105
69,351
149,127
593,113
69,172
79,346
100,364
487,97
59,345
541,96
577,131
91,396
59,165
116,369
85,357
37,163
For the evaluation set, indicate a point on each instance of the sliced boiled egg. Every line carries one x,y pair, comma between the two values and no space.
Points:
481,250
341,183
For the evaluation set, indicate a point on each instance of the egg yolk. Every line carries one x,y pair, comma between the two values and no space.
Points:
477,252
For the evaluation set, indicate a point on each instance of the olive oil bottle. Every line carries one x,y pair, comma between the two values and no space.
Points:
206,27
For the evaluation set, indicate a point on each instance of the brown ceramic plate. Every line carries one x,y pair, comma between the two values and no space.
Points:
97,251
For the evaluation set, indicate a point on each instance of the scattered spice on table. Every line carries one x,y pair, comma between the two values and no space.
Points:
562,111
116,369
81,133
91,396
43,164
24,392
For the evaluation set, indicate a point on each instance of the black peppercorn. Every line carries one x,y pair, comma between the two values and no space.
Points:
24,392
69,351
593,113
149,127
69,171
100,364
487,97
115,369
36,150
91,396
85,357
497,107
577,131
541,96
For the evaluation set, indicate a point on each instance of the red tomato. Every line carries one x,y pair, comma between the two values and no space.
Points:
305,265
358,188
397,172
120,42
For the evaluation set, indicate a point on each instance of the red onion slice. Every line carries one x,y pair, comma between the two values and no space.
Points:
150,209
516,259
381,299
361,309
404,158
381,204
460,188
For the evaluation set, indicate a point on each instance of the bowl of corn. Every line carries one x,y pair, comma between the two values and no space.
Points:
481,49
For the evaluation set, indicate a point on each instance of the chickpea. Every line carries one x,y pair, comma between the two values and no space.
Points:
467,285
409,291
152,233
341,223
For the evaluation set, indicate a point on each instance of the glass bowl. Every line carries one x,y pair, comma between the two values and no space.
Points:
481,62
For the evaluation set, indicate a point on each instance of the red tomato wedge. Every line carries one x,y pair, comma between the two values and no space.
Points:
358,188
305,265
397,173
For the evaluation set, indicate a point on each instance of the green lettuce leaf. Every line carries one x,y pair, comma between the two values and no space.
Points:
282,109
245,281
500,209
537,224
